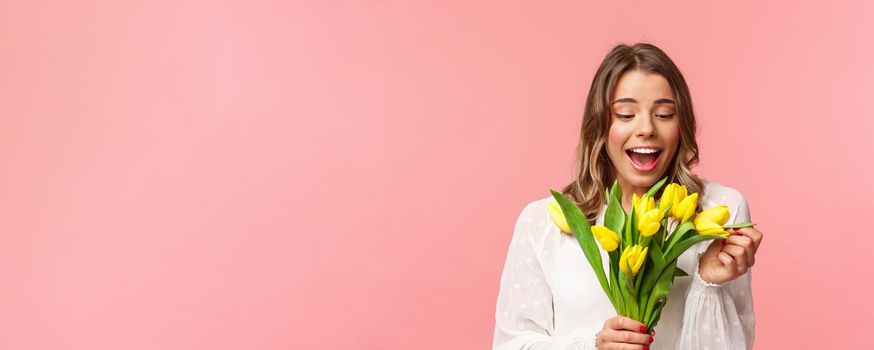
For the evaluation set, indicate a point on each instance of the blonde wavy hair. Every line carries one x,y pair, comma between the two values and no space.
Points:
592,167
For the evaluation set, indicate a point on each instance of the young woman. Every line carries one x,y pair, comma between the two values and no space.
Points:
638,126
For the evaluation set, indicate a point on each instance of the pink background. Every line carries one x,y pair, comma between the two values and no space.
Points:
274,175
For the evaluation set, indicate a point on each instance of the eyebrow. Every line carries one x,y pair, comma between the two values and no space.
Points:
629,99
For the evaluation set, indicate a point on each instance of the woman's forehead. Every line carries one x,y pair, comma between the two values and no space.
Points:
641,87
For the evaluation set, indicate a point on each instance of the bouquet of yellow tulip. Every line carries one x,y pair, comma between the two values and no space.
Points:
643,256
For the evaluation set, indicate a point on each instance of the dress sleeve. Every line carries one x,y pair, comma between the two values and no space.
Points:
720,316
524,312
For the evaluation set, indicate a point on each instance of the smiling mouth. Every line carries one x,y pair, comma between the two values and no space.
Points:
643,160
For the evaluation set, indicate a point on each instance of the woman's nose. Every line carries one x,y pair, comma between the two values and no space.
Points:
645,127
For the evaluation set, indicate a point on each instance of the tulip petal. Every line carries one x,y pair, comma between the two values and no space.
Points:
679,194
649,222
686,208
640,259
609,245
609,240
709,228
718,214
623,259
558,217
667,194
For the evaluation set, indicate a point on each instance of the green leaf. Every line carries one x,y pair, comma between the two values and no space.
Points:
614,217
639,276
633,232
629,223
614,266
616,191
616,299
657,255
743,225
655,188
656,315
678,234
681,247
680,273
661,290
631,308
628,283
583,231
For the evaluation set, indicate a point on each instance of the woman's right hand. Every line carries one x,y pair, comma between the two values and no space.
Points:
623,333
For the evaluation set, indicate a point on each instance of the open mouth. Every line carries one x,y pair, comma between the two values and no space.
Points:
643,159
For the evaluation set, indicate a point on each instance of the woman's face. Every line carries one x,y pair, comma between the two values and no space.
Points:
645,130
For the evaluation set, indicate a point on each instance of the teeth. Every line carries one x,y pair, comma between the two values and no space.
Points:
644,150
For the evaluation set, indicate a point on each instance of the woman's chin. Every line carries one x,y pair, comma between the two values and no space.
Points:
644,180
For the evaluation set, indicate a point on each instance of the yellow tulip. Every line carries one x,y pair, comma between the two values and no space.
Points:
632,259
684,210
623,259
667,194
648,223
609,239
672,195
638,263
680,193
557,216
710,221
643,205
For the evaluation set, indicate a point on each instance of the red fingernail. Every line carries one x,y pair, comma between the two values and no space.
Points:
646,347
651,340
642,329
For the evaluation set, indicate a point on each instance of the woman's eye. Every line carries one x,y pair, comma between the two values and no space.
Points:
624,116
664,116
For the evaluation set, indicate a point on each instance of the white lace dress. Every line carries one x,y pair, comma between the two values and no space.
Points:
549,297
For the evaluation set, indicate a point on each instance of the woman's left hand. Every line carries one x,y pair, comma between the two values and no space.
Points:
727,259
